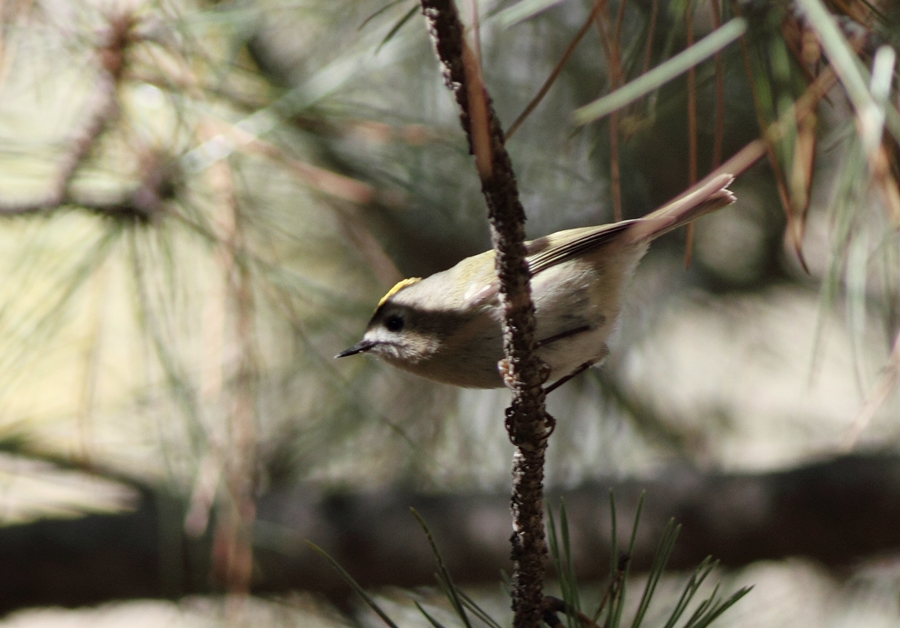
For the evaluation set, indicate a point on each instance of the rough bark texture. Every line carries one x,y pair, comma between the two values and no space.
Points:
526,418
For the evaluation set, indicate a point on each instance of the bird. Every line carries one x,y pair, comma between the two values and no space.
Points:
448,327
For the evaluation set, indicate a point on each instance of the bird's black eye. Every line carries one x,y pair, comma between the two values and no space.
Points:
394,322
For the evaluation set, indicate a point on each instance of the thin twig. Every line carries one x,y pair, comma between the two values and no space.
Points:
617,75
554,74
692,126
651,30
527,422
554,605
879,393
719,132
100,110
777,172
610,46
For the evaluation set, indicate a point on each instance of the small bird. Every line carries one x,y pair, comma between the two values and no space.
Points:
447,327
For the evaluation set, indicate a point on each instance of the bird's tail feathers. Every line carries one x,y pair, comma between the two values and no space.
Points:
703,198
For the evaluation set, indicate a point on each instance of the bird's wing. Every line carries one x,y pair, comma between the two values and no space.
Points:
572,243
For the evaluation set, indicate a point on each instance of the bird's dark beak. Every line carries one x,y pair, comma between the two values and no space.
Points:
360,347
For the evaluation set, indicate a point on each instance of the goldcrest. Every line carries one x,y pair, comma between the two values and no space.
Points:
447,327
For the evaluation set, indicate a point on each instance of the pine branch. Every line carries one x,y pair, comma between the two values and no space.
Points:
527,422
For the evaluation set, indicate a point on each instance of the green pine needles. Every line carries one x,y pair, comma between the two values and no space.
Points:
691,609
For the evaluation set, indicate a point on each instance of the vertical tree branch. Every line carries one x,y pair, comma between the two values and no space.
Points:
527,422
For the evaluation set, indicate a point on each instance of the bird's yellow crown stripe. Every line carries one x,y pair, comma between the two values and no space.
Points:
400,285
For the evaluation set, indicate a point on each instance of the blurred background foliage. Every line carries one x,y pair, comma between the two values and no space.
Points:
201,202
